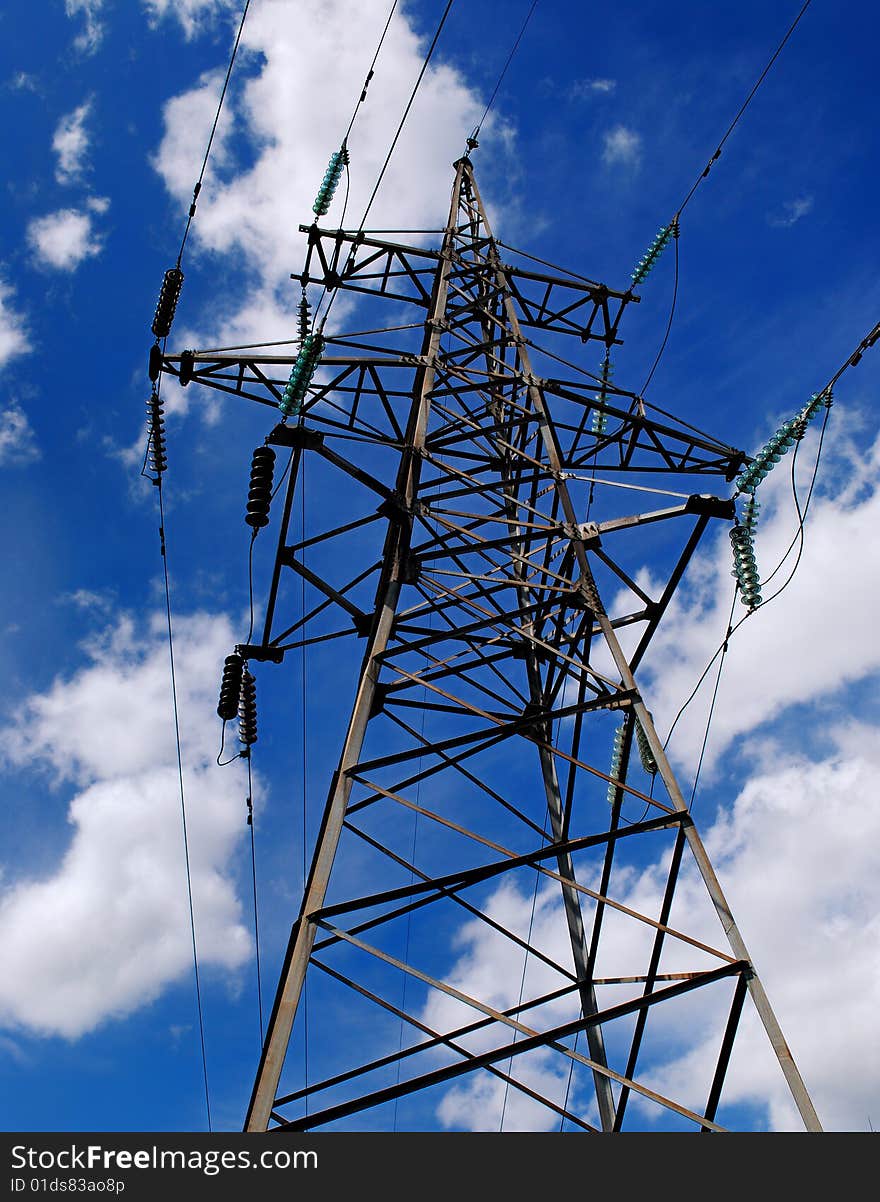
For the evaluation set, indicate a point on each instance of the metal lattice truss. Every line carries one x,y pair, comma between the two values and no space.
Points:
493,586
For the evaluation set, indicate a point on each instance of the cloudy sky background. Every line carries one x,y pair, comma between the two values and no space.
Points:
598,133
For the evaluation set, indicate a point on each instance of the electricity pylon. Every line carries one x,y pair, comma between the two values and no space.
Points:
487,555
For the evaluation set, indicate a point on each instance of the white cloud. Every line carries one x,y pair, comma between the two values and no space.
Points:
255,213
582,89
88,599
792,211
63,239
23,81
17,444
193,15
108,930
13,332
798,858
797,855
71,144
622,147
787,653
89,39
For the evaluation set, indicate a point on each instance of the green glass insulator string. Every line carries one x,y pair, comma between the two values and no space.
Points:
301,375
648,261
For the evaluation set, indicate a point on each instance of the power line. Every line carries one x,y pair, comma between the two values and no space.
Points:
394,141
250,805
742,109
198,186
675,220
192,922
500,79
659,356
370,73
731,630
409,104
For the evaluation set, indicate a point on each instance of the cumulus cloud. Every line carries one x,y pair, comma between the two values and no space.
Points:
89,38
797,856
254,211
71,144
622,147
63,239
17,443
108,929
13,331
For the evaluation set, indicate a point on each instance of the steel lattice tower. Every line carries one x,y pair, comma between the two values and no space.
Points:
486,562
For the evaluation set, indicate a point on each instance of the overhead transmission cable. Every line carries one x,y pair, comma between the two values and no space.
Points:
852,360
182,795
198,185
723,646
672,230
742,109
500,80
394,140
370,73
155,455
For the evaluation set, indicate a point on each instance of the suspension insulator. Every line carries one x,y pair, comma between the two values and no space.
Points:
166,306
745,569
158,457
782,441
301,375
646,264
600,417
305,318
330,182
260,492
616,756
646,755
247,710
750,512
230,686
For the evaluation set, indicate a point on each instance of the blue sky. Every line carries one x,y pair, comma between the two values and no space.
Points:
603,123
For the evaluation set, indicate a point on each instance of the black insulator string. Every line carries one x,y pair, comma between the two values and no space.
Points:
500,79
238,755
192,921
742,109
198,187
